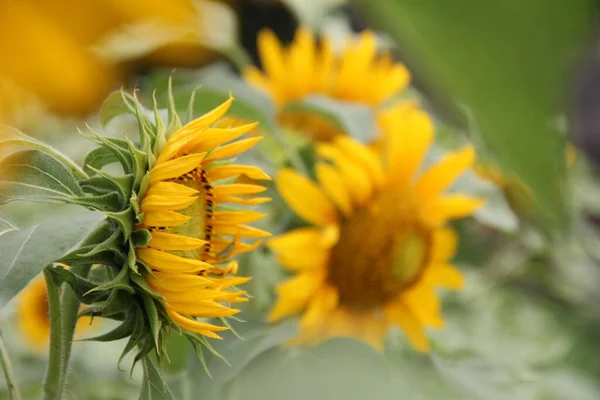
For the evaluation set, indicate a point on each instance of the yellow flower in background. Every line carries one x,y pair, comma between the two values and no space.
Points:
378,246
33,317
194,233
359,74
50,48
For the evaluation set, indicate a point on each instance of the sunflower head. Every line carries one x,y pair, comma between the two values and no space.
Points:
377,246
358,74
175,220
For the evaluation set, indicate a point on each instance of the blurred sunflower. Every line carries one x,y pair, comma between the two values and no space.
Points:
359,75
66,55
33,317
378,246
194,235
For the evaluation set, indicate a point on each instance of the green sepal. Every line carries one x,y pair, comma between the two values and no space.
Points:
174,121
125,329
141,282
119,148
160,136
152,314
105,202
132,261
117,103
124,219
123,184
116,307
145,126
111,244
121,281
141,238
81,286
140,163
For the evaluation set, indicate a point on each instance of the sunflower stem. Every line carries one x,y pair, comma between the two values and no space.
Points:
53,381
70,312
9,374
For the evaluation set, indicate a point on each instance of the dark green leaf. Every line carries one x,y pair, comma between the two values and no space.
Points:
153,385
26,252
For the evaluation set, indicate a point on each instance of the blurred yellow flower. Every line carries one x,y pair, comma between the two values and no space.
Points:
33,317
378,245
54,52
193,238
307,68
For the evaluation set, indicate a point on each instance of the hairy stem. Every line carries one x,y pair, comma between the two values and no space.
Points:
53,382
70,311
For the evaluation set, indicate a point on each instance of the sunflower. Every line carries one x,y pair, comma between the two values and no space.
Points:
306,68
194,234
33,314
378,245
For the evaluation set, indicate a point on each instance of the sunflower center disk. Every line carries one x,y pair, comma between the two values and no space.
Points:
381,252
199,226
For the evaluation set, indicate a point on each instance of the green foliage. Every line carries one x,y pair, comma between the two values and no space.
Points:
25,252
504,65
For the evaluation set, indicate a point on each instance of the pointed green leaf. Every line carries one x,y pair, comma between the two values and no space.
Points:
115,105
36,176
25,252
152,315
153,385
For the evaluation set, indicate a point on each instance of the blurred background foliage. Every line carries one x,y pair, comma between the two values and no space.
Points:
501,73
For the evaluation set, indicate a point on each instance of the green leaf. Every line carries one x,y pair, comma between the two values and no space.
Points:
6,225
153,385
496,62
36,176
337,369
152,314
13,137
355,120
26,252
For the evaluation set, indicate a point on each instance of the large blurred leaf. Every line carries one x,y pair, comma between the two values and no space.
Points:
506,64
35,176
26,251
153,385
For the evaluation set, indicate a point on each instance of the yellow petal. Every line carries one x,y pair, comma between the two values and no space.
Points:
408,133
304,259
174,282
233,149
271,54
201,309
169,241
164,218
446,276
174,168
334,187
167,262
239,230
449,207
444,245
213,137
401,315
170,189
294,294
302,238
239,200
236,189
158,202
305,198
363,156
192,325
441,175
237,217
324,301
424,303
228,171
357,181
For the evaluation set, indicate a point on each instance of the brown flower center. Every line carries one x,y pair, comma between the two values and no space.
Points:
381,251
